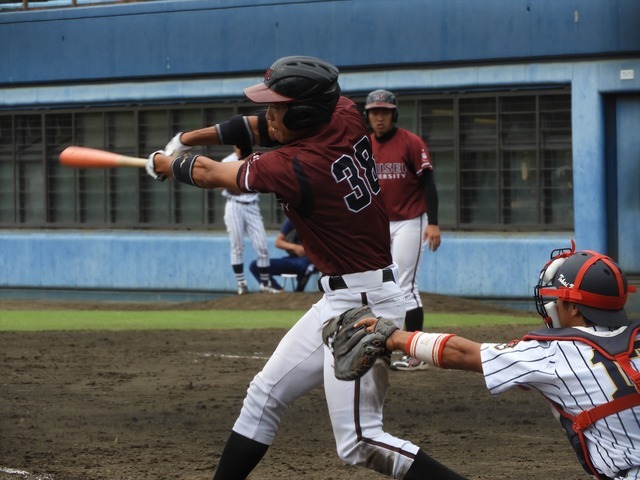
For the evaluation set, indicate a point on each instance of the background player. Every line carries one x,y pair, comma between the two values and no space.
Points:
406,176
324,178
569,363
296,262
242,216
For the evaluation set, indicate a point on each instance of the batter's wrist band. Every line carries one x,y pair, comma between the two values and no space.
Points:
428,347
182,168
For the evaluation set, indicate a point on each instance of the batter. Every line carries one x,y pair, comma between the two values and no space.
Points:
324,177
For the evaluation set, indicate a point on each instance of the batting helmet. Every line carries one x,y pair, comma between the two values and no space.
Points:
594,282
308,84
382,99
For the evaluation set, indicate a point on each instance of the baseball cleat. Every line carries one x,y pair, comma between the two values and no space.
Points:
242,288
268,288
408,364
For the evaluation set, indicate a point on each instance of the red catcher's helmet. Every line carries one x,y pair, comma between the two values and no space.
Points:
382,99
594,282
308,84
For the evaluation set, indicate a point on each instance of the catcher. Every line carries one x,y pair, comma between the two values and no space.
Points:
585,363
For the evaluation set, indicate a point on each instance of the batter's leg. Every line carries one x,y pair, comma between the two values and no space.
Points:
294,368
426,467
356,407
238,446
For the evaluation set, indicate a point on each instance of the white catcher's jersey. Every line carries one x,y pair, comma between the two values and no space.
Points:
576,377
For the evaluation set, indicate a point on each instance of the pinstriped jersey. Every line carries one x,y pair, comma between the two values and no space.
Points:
576,377
327,185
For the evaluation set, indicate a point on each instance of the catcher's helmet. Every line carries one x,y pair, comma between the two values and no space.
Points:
594,282
308,84
382,99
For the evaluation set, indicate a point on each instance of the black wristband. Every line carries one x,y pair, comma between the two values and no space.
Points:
182,168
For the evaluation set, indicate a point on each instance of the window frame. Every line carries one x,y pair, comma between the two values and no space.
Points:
169,119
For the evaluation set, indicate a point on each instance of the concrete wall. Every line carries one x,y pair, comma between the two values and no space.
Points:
203,37
191,50
501,266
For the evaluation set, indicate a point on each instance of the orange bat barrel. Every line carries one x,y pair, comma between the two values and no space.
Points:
84,157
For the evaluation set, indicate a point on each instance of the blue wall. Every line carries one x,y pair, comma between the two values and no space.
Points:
197,49
201,37
200,261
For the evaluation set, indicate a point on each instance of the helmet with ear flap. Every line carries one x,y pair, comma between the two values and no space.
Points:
308,85
305,115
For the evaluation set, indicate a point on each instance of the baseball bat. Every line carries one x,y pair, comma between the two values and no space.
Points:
83,157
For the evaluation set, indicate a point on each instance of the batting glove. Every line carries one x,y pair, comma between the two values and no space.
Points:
151,170
176,147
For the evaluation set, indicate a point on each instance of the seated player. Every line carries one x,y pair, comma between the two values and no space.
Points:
296,262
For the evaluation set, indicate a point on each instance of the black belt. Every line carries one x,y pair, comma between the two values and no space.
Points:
251,202
338,283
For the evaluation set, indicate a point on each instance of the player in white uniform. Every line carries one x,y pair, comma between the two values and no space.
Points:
408,187
586,363
242,216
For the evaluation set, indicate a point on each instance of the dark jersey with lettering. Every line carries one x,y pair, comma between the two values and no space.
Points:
327,185
401,159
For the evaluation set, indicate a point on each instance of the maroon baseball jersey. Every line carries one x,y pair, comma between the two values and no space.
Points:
327,185
400,161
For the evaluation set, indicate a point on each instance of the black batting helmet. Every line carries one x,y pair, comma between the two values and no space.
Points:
382,99
308,84
595,283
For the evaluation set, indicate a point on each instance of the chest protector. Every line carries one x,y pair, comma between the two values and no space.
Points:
618,349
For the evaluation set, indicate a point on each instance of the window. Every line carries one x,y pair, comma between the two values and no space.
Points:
38,192
502,161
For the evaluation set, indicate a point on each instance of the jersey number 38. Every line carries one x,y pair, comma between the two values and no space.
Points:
360,172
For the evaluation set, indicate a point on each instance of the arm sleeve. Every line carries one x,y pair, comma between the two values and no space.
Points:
431,194
237,131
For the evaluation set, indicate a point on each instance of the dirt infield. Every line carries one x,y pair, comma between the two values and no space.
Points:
160,405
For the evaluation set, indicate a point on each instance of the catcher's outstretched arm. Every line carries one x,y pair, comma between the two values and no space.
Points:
443,350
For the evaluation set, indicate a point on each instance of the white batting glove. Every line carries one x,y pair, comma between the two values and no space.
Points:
176,147
151,170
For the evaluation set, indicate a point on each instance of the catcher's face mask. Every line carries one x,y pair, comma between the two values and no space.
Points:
549,310
590,280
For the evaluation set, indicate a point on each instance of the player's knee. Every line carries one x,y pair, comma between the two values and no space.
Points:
365,455
348,455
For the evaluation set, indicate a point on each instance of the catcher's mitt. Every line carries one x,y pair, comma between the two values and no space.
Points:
354,349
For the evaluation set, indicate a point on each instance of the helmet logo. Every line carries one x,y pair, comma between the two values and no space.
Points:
564,282
267,74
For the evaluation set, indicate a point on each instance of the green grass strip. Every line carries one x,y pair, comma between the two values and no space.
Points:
48,320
